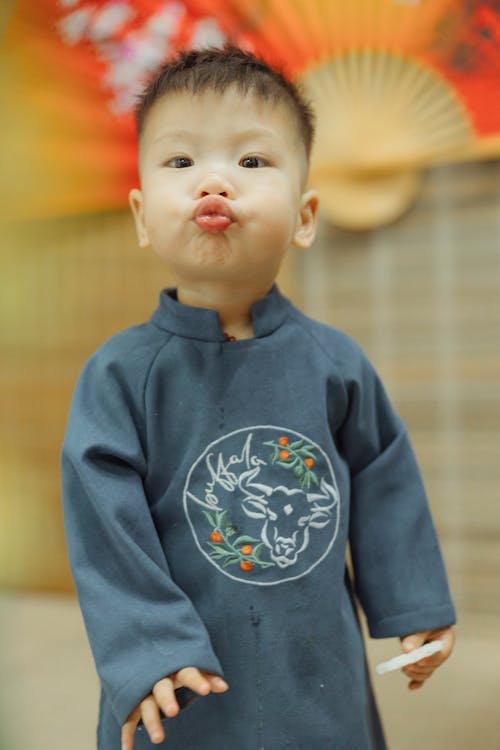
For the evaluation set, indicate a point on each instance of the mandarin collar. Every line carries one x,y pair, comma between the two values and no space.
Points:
267,315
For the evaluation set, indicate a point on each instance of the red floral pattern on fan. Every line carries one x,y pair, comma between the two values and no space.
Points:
74,68
467,52
461,40
132,39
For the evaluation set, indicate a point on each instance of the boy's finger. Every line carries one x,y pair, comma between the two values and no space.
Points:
430,664
192,678
418,674
448,637
151,719
164,693
415,685
415,640
416,669
128,729
217,684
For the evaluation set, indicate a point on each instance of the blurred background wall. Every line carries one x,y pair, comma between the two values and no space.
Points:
66,285
419,288
422,296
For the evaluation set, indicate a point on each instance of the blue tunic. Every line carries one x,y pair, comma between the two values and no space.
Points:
210,490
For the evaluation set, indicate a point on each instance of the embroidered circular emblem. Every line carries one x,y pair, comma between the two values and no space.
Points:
263,504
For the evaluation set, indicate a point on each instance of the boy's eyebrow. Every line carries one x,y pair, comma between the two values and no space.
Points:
255,132
176,133
191,135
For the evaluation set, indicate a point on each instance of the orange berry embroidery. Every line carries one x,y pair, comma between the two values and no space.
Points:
246,565
298,456
247,549
216,537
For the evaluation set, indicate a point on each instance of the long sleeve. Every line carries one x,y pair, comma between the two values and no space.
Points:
140,624
399,573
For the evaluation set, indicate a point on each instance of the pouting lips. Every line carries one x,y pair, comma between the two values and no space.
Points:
213,214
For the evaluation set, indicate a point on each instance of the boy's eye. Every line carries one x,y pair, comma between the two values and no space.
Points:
252,162
180,162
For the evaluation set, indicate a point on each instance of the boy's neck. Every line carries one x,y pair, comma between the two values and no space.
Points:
232,303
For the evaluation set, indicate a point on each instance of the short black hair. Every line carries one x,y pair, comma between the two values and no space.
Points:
216,69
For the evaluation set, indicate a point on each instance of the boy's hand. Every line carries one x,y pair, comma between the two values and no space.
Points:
423,669
163,697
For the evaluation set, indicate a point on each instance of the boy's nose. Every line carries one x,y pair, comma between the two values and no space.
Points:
215,184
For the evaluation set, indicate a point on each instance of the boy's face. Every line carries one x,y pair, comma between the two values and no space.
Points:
222,178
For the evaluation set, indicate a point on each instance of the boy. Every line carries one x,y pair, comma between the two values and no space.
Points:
219,458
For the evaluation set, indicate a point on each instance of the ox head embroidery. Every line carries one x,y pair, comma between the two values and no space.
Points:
287,517
263,510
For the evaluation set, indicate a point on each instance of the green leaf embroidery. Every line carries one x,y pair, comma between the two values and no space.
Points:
297,452
245,540
210,517
221,518
257,551
228,552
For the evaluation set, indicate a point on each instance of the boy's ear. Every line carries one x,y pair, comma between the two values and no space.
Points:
305,230
137,206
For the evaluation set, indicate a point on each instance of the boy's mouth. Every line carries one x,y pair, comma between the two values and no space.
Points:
213,214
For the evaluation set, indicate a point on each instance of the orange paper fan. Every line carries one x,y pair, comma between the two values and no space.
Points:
397,84
70,72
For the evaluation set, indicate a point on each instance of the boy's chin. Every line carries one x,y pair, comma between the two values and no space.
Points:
216,252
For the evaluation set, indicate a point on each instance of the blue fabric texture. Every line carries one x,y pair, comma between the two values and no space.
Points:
210,491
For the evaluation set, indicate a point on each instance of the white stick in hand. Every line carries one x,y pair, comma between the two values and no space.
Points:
404,659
